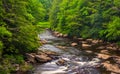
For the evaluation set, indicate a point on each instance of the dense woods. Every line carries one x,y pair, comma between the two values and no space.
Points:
18,33
87,19
19,21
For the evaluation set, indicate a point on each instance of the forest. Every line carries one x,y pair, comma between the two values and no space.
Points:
22,20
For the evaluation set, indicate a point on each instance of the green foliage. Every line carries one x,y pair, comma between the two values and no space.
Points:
18,34
27,39
4,32
87,19
112,31
43,25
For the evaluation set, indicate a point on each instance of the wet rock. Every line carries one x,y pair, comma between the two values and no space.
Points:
61,47
75,37
55,33
30,58
111,67
74,44
117,59
104,51
80,39
111,48
101,47
84,42
42,58
65,35
103,56
95,41
86,46
50,53
43,41
89,40
100,41
88,51
58,35
61,62
61,35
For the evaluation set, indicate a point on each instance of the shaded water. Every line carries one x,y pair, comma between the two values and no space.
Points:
76,60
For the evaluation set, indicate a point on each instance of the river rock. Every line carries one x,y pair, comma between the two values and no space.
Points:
84,42
111,48
61,35
103,56
51,53
61,62
80,39
42,58
95,41
65,35
43,41
88,51
86,46
56,32
111,67
101,47
74,44
61,47
117,59
30,57
89,40
104,51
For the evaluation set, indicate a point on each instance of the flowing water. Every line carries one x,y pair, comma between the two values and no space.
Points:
76,61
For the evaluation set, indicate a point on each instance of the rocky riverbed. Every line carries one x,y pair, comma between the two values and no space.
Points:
61,55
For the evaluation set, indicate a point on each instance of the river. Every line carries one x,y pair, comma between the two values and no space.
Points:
76,60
